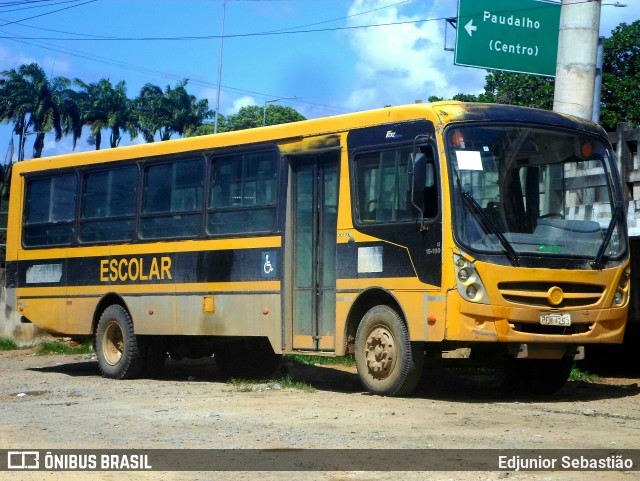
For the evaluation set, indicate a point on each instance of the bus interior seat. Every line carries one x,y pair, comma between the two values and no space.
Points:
494,214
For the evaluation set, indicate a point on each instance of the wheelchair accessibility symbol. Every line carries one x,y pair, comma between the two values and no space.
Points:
267,268
268,264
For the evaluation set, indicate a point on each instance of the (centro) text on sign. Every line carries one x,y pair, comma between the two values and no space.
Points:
499,46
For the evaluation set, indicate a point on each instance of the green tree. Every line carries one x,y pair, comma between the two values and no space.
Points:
208,128
621,77
37,105
254,116
168,112
67,101
620,81
15,105
104,106
518,89
469,98
461,98
249,117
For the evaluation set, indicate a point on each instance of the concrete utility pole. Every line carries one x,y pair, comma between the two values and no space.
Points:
217,113
577,51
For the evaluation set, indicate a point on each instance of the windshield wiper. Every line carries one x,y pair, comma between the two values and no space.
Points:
489,226
596,263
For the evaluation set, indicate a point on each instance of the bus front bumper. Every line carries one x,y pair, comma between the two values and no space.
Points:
467,321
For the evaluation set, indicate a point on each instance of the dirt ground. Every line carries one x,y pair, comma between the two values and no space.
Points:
62,402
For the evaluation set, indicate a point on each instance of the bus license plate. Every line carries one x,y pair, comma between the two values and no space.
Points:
555,319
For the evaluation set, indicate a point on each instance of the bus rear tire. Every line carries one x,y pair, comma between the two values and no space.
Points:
388,363
117,348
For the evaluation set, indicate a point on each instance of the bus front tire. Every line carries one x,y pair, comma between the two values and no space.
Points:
388,363
117,349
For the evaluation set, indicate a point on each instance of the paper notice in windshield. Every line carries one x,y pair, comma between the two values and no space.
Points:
469,160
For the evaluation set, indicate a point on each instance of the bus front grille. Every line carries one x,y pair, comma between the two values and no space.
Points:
551,294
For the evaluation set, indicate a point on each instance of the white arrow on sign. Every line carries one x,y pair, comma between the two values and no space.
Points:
470,28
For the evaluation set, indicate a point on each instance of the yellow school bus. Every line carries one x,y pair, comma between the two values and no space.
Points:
389,234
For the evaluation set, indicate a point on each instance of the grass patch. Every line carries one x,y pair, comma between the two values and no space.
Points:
7,344
580,375
347,361
243,385
58,347
250,385
288,383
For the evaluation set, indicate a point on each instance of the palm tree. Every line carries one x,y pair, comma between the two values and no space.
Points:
188,112
104,106
168,112
15,104
67,102
37,105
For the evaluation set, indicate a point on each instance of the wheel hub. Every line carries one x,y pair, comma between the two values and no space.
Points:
113,343
380,352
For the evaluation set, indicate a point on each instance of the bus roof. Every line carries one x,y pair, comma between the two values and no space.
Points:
450,111
441,113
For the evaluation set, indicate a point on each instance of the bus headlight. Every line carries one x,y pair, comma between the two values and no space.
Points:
472,291
624,278
468,281
621,295
463,275
618,298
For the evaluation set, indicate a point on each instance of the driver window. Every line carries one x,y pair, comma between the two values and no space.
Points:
383,192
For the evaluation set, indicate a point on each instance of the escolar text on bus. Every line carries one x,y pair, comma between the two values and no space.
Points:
135,269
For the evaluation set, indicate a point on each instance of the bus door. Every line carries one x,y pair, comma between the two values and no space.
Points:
312,224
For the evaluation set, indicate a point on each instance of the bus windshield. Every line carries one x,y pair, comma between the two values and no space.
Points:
527,190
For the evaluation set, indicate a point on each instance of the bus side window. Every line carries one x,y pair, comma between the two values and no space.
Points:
50,211
172,203
382,187
266,183
109,203
243,193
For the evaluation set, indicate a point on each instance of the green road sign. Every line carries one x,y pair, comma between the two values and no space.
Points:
514,35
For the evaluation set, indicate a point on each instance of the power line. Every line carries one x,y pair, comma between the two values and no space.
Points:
339,18
217,37
85,36
55,2
172,76
286,31
244,35
139,69
25,2
48,13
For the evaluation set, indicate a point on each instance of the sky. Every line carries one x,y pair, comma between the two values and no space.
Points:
320,57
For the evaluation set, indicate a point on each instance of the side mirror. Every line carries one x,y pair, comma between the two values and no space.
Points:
417,175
